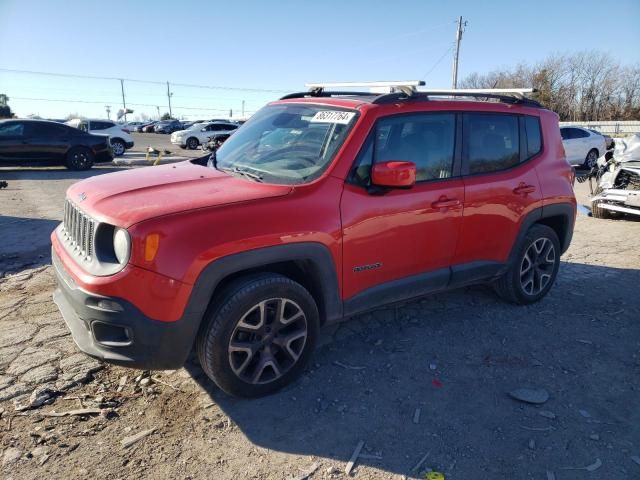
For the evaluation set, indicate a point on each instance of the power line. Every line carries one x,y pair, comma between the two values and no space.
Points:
446,52
129,104
94,77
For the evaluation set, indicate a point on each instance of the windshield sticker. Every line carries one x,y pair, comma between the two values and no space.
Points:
332,116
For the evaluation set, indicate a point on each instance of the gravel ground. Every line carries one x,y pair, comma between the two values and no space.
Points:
426,381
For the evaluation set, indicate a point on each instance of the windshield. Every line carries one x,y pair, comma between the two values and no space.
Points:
287,144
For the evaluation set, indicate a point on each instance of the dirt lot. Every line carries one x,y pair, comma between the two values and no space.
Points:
424,385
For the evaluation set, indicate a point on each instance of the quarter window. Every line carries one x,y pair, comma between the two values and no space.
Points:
492,142
534,138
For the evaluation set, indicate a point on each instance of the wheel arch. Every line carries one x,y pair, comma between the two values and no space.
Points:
310,264
558,216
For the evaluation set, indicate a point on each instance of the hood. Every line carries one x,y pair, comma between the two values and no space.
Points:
131,196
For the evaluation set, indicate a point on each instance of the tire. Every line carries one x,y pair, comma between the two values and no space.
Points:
241,344
192,143
540,248
79,158
118,147
598,212
591,159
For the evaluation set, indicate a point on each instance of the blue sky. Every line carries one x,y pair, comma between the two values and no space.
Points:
277,45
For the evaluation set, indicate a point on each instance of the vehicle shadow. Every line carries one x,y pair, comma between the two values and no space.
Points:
54,173
25,242
432,376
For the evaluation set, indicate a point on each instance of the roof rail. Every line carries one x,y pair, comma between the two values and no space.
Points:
507,95
407,87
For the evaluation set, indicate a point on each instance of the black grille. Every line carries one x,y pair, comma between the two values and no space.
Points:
78,229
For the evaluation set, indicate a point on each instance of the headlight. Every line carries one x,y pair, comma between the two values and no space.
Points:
122,245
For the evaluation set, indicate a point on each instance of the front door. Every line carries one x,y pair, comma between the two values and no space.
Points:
398,243
13,145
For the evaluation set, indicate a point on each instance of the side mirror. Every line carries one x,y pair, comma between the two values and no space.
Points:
394,174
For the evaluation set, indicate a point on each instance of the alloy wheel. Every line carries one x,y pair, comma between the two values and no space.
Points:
80,160
592,159
268,340
118,148
537,266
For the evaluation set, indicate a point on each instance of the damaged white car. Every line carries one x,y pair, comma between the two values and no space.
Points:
617,177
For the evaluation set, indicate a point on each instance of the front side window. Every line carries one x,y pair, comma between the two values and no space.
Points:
11,130
492,142
426,139
287,143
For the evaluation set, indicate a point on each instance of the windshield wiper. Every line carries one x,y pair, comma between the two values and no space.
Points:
248,173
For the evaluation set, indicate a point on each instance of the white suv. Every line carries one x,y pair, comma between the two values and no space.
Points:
582,146
200,133
120,138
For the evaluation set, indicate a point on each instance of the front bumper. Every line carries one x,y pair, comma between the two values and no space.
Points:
116,331
621,201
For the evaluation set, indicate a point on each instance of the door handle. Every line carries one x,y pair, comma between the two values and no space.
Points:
524,189
444,202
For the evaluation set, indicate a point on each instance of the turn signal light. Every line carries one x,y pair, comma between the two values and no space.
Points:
151,245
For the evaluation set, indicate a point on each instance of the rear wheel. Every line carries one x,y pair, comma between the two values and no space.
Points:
192,143
259,335
79,158
533,268
591,159
118,147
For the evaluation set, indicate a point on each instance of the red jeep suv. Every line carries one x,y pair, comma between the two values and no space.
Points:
322,206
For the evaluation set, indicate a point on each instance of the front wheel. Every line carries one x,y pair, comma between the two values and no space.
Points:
79,158
259,335
591,160
533,269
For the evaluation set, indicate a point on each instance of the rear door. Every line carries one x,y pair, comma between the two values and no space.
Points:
501,187
13,145
399,242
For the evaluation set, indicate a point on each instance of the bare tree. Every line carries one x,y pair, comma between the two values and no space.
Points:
581,86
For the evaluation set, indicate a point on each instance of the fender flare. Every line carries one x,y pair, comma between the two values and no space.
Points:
316,253
566,211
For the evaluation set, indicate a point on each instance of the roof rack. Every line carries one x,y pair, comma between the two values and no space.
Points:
405,87
407,90
506,95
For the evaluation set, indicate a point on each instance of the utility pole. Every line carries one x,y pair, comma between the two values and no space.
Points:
124,103
108,109
169,97
243,109
461,25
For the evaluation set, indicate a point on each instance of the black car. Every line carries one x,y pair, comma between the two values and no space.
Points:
168,126
25,142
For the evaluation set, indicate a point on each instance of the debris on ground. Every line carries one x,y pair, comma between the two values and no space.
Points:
11,455
420,462
307,472
128,441
354,457
584,413
416,416
547,414
589,468
80,411
38,397
530,395
348,367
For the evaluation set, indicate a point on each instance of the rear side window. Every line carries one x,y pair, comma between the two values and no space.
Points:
11,130
534,137
492,142
101,125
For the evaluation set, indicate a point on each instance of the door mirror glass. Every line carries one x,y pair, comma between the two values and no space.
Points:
394,174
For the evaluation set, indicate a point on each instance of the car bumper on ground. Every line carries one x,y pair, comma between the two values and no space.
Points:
116,331
621,201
